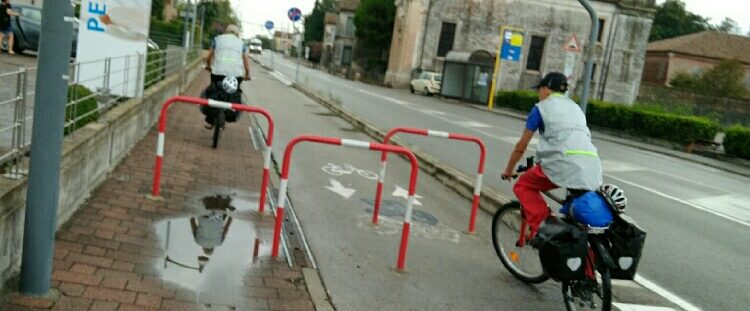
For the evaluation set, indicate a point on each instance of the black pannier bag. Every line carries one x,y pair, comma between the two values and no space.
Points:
562,250
626,245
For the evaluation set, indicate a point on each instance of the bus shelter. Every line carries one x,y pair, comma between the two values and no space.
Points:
468,75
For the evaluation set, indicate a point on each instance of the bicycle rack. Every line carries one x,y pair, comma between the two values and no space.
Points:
440,134
401,261
218,104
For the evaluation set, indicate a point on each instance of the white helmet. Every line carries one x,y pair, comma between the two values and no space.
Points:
615,197
230,84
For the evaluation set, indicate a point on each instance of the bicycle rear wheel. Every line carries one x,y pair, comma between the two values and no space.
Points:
601,298
218,127
522,262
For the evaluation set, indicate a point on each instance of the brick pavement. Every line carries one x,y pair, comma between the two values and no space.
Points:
111,255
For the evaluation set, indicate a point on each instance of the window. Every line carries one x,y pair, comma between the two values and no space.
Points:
536,52
602,22
33,15
447,34
346,56
350,26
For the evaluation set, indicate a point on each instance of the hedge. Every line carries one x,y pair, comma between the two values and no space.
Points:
737,141
672,127
87,106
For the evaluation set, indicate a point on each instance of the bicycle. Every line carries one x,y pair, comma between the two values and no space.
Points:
225,90
348,169
510,239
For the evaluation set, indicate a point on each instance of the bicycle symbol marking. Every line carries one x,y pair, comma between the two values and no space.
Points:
347,169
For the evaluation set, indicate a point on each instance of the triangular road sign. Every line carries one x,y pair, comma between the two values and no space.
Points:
572,44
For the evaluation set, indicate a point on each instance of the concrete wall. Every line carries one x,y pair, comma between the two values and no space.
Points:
619,55
89,154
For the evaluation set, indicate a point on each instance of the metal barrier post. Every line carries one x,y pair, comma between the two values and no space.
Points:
155,190
401,261
439,134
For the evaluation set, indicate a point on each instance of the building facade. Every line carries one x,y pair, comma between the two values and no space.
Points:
344,39
426,30
694,54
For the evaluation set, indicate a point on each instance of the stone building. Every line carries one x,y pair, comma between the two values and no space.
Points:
694,53
426,30
344,39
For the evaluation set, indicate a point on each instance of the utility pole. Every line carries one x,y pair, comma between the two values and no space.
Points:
194,16
46,149
591,51
186,31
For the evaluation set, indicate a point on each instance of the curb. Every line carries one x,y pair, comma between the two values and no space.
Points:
491,199
626,142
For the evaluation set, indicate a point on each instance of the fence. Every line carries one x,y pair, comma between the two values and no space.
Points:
94,87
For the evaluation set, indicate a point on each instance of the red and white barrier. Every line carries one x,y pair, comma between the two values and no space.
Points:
401,262
439,134
218,104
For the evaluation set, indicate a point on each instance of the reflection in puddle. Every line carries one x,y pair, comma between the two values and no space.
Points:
211,251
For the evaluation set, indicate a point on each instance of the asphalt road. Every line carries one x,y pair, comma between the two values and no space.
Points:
446,268
697,217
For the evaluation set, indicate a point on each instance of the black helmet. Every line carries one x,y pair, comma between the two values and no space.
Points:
555,81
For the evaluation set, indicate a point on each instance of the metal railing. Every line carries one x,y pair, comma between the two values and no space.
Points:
94,88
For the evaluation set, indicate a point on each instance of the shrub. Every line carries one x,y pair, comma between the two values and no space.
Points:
737,141
155,63
644,122
82,107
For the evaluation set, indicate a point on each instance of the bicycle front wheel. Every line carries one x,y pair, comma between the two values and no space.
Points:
522,262
218,127
601,298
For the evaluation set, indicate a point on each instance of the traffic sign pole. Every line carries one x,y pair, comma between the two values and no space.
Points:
295,15
269,26
495,70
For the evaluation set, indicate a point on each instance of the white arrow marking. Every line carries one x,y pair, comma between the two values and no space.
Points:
337,188
401,192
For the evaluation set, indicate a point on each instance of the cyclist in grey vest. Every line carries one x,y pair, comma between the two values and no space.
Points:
567,157
228,56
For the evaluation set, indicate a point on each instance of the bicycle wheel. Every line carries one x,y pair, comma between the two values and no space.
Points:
218,127
601,298
522,262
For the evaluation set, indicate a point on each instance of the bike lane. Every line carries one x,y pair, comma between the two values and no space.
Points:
332,190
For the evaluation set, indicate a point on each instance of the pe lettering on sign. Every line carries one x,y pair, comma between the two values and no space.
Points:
96,9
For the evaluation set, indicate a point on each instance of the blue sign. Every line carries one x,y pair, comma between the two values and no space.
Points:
512,45
294,14
269,25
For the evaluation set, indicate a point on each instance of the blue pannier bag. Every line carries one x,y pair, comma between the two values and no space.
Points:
590,209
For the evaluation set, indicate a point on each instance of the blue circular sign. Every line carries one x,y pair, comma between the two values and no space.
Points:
294,14
269,25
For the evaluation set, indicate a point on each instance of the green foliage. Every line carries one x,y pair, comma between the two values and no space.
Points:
315,21
374,24
217,15
157,9
673,20
737,141
726,79
154,68
631,119
729,25
82,106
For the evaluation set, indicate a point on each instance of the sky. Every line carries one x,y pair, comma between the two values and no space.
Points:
717,10
255,12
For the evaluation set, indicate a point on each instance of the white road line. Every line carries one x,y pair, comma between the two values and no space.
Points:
632,307
702,208
666,294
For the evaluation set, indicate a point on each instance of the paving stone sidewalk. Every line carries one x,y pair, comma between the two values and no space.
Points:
115,252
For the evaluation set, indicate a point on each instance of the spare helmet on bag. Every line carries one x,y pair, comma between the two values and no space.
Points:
615,197
230,84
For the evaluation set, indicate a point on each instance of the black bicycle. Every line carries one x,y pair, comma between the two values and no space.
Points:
224,89
590,290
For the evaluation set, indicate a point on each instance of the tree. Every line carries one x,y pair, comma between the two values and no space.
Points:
217,15
374,23
729,25
315,22
157,9
726,79
672,19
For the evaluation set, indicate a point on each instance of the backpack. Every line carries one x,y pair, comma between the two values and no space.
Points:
626,246
589,208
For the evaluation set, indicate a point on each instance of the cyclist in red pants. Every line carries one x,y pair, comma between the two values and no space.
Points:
567,157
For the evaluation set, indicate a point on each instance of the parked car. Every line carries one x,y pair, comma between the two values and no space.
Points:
27,29
255,46
427,83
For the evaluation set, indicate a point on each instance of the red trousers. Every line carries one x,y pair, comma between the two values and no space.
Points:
528,190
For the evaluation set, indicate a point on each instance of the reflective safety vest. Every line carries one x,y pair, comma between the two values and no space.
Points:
565,151
228,56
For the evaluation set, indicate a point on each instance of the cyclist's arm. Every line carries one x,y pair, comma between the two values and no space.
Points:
209,59
518,152
246,63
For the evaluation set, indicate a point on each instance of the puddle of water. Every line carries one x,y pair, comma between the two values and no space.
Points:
211,252
396,209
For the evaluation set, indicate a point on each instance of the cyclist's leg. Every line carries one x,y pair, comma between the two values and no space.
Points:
529,189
